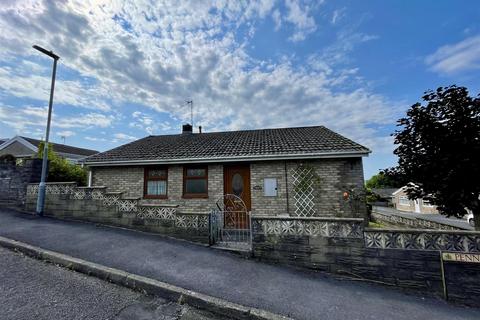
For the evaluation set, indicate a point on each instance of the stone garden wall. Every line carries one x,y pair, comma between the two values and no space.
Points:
97,204
407,258
410,220
15,178
404,258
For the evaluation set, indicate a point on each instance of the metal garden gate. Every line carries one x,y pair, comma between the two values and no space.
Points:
231,224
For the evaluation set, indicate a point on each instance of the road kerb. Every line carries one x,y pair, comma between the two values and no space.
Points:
143,284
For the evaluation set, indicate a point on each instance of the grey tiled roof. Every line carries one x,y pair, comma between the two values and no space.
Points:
63,148
384,192
233,144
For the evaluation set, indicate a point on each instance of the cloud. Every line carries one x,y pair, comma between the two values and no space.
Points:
300,17
65,133
96,139
15,82
337,15
30,116
154,57
146,122
124,137
277,19
458,57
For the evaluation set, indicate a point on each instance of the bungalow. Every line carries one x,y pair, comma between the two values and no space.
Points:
305,171
402,202
24,148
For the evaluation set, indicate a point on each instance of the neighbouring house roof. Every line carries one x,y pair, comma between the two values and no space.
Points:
63,148
33,144
404,188
264,144
384,192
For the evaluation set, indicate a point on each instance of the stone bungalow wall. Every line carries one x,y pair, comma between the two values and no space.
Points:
404,258
15,178
97,204
130,181
336,175
411,204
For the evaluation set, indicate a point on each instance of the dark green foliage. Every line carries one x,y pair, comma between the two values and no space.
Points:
439,151
381,180
371,197
60,170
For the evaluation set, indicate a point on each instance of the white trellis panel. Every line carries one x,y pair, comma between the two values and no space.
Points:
304,198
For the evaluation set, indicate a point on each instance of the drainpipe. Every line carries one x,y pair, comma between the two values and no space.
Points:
286,187
90,177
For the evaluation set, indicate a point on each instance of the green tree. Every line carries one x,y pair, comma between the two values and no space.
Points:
439,151
60,170
381,180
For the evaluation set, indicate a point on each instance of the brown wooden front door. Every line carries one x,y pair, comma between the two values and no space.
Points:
237,182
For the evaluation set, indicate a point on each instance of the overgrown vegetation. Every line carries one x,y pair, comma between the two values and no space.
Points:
60,170
438,147
381,180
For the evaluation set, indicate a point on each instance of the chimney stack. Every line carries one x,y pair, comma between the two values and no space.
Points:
187,129
199,129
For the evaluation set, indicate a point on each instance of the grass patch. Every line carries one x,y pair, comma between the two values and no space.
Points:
372,224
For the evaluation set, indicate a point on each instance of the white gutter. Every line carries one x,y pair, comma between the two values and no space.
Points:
324,155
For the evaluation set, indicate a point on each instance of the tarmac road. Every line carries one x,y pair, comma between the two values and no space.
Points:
33,289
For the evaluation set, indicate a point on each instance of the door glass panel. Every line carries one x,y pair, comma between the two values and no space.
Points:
237,184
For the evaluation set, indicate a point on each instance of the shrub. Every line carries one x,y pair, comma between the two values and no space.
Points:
60,170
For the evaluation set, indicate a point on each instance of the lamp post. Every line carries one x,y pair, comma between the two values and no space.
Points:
42,186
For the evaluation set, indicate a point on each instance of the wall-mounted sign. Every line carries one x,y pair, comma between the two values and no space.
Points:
461,257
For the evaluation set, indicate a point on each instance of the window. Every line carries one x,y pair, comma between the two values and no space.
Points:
195,182
404,201
155,186
270,187
426,203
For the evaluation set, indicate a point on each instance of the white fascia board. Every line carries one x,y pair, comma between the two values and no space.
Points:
20,140
328,155
399,190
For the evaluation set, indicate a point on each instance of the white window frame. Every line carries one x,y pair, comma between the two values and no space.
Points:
427,204
402,199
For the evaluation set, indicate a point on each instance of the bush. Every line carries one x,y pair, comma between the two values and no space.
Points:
60,170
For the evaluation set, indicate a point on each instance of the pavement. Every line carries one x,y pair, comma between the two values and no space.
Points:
454,222
33,289
286,291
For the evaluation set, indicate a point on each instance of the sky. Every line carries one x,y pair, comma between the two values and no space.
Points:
127,68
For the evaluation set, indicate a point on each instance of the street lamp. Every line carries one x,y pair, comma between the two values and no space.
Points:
42,186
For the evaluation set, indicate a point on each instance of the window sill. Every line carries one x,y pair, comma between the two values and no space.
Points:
155,197
195,196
